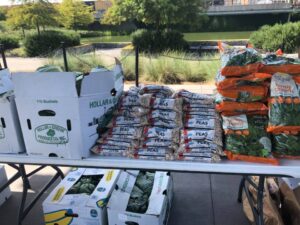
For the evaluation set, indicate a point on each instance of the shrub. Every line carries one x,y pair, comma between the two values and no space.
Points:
284,36
157,41
49,41
9,41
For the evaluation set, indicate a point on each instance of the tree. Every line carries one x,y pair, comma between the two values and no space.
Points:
74,14
30,14
157,13
3,12
16,18
41,14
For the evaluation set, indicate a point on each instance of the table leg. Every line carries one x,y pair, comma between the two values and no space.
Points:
24,210
257,208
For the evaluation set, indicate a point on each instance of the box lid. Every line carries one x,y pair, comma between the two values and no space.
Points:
97,199
6,83
121,194
41,84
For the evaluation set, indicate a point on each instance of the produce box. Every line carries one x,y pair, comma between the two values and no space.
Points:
60,113
11,139
152,207
4,195
81,198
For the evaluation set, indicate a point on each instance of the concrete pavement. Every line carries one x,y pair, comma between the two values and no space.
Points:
193,202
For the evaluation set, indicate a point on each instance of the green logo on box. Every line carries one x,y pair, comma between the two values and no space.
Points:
2,134
51,134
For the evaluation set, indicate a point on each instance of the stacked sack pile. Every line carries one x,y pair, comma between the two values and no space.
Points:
161,138
145,125
241,100
124,131
284,105
200,139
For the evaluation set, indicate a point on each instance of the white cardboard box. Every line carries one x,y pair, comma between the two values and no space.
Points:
4,195
159,206
80,209
55,119
11,138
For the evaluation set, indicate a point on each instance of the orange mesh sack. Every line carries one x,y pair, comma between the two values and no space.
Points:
240,107
246,139
273,64
239,61
284,104
249,80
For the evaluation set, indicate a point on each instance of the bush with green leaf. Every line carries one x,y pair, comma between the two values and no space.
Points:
154,41
49,41
9,41
284,36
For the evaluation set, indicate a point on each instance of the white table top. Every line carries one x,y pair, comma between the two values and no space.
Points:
287,167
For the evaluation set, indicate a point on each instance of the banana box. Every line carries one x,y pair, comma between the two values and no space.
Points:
159,202
60,111
5,194
81,198
11,138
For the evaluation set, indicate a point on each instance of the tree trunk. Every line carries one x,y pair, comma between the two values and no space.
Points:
38,29
23,32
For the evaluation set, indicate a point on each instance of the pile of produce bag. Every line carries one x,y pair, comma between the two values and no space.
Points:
241,100
201,137
85,185
161,138
126,127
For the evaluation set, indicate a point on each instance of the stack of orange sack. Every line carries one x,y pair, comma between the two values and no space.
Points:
241,100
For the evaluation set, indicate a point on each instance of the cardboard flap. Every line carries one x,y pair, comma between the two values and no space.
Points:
60,191
6,83
120,196
101,194
54,84
158,193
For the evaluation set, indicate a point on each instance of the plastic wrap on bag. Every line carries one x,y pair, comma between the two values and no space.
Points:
246,138
170,124
157,91
130,132
274,64
239,61
134,111
165,115
135,100
173,104
200,122
195,98
157,142
243,94
284,104
162,133
286,145
128,121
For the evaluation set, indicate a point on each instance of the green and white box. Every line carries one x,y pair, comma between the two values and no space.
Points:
5,194
159,206
59,118
11,138
64,206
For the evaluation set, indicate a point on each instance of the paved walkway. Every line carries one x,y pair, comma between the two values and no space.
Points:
192,203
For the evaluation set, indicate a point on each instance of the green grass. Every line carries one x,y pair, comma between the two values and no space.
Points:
166,68
204,36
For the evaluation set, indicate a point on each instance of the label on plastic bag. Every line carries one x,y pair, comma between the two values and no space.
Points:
235,122
283,85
